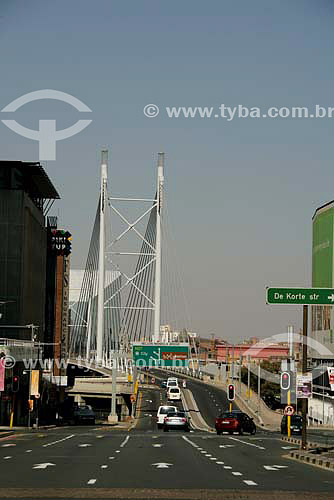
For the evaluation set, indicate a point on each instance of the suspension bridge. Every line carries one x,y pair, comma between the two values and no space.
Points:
120,300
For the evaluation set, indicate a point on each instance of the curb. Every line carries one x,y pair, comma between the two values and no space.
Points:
299,441
308,458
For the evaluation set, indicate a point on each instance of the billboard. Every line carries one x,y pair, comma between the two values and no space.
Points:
304,386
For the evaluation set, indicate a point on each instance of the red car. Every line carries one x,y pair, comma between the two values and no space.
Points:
235,421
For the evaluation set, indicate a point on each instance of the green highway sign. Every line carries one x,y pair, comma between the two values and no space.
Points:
150,355
301,296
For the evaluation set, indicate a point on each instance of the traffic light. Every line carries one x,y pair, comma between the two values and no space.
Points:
285,381
15,383
230,392
68,243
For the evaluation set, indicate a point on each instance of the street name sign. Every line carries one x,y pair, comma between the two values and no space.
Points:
301,296
150,355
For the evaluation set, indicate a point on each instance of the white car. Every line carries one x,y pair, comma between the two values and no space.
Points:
174,394
162,413
172,382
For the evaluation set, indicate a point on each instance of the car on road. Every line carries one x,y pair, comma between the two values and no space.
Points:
176,420
235,421
163,384
162,413
174,394
172,382
295,424
84,415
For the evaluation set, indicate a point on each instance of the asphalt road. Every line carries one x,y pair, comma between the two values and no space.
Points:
100,462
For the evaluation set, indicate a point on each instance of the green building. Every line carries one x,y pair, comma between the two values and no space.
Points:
323,276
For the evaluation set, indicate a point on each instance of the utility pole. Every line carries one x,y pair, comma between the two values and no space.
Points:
248,378
304,400
101,270
112,418
259,385
157,288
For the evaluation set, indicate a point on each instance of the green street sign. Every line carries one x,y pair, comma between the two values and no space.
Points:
150,355
301,296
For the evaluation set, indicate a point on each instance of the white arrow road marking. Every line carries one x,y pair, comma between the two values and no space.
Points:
162,465
269,467
124,442
84,445
43,466
331,297
59,441
91,481
249,444
7,445
157,445
249,483
7,458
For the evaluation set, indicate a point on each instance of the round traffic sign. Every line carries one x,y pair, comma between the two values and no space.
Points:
289,410
37,396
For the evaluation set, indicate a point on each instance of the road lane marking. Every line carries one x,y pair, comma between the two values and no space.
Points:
124,442
28,451
249,483
84,445
7,445
213,458
91,481
249,444
162,465
208,455
104,466
118,451
7,458
227,467
59,441
158,445
236,473
192,443
43,465
111,458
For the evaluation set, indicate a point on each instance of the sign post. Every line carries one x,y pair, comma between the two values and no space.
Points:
304,297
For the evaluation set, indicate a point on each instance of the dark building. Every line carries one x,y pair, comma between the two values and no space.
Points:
26,195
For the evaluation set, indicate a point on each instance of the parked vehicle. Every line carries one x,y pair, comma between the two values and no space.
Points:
177,420
84,415
162,413
174,394
295,424
235,421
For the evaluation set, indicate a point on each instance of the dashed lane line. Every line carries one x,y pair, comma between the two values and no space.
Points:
7,458
237,473
59,441
249,483
91,481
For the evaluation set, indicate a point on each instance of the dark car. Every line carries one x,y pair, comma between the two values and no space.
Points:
295,424
235,421
176,420
84,415
163,384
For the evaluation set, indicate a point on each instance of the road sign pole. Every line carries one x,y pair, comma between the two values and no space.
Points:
289,417
304,367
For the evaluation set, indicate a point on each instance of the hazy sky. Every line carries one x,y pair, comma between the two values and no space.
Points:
241,193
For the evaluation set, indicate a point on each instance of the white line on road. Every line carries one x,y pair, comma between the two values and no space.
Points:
237,473
192,443
91,481
7,458
220,463
227,467
111,458
104,466
213,458
249,483
59,441
118,451
28,451
124,442
7,445
208,455
249,444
